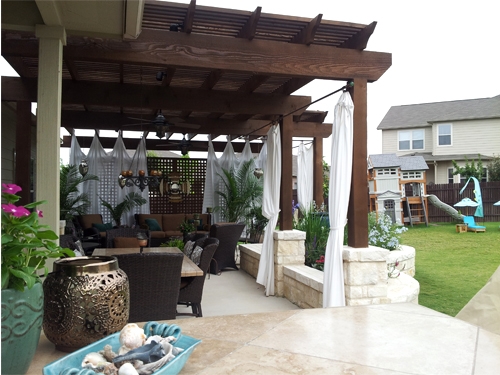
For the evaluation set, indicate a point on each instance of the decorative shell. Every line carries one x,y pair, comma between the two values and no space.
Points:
131,337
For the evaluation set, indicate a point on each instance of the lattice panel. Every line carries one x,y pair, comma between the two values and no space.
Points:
193,170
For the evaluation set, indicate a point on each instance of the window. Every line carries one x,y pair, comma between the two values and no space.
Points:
450,176
412,175
444,135
386,172
411,139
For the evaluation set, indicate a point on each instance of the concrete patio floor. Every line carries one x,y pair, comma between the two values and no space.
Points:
244,332
236,292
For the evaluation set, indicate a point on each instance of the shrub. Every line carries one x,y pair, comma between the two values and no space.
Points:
383,233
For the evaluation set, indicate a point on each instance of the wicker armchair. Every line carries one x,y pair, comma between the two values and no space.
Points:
111,234
228,234
154,282
191,291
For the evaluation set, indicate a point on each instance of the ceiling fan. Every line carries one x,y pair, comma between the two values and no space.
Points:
162,125
183,145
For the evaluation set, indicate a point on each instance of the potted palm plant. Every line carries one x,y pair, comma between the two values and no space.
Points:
241,193
72,202
130,201
26,245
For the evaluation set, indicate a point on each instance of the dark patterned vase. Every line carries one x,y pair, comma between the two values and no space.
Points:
86,299
22,314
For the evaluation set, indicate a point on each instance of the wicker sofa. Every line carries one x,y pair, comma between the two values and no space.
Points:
167,225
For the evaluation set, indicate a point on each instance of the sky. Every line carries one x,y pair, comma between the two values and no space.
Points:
441,50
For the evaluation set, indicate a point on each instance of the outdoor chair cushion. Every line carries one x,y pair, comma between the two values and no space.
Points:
128,242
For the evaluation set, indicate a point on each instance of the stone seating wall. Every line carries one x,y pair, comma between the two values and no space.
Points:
366,278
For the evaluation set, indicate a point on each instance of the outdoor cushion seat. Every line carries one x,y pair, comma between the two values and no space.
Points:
472,226
120,233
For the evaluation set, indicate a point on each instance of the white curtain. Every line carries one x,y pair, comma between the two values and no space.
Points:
270,208
305,177
340,185
107,166
227,161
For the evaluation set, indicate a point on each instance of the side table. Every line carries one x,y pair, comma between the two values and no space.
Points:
461,228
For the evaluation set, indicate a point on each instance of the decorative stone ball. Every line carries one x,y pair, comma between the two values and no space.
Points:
141,173
130,173
153,172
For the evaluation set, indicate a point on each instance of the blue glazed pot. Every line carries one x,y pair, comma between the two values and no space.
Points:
22,317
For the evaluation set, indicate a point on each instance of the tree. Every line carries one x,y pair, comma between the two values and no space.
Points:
469,170
494,169
71,203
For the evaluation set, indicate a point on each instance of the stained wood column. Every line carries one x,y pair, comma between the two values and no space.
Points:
52,39
23,150
318,170
357,213
285,218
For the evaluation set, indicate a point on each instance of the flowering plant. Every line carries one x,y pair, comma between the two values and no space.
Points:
26,244
187,227
383,233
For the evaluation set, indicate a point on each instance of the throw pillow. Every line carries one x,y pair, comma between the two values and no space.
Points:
196,255
153,225
102,227
128,242
188,248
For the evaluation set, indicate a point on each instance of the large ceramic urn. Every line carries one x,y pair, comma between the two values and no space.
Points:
86,299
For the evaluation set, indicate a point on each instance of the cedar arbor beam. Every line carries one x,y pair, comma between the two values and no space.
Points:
167,98
168,49
160,144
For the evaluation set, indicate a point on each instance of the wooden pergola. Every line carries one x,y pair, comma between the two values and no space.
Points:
208,70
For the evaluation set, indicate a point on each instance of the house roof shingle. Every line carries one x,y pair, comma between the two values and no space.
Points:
406,163
419,115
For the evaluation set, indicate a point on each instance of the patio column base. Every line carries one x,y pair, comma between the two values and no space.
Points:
289,249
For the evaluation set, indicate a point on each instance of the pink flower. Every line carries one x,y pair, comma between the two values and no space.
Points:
321,259
11,188
40,213
17,211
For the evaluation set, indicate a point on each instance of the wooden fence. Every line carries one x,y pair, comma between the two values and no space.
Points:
450,194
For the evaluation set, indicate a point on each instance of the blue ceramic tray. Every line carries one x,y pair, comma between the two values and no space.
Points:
71,364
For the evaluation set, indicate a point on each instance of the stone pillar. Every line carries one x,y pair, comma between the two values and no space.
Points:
51,41
365,275
289,249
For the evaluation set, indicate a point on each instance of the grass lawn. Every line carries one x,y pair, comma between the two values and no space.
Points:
452,267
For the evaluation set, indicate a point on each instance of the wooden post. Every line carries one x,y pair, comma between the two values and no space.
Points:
357,213
286,193
318,171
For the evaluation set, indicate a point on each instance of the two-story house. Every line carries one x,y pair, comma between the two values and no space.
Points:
443,132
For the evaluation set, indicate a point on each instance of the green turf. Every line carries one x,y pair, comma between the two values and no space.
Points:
452,267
